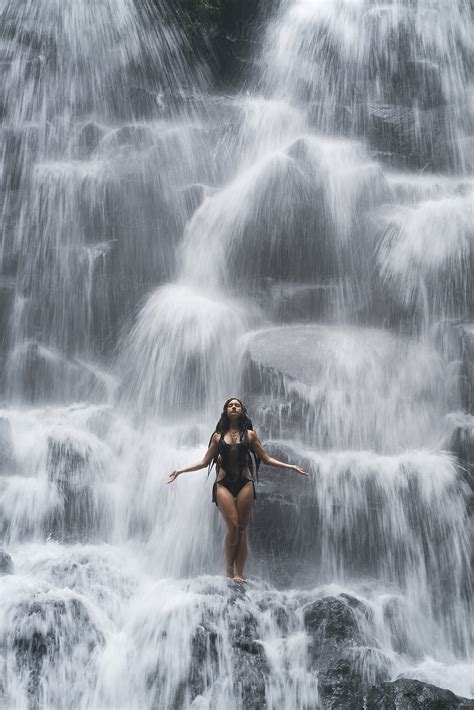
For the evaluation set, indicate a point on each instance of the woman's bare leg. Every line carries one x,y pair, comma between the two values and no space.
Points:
228,509
244,505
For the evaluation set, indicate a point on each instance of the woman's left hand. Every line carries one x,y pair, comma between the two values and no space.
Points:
300,470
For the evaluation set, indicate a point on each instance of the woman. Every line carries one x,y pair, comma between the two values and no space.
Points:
234,489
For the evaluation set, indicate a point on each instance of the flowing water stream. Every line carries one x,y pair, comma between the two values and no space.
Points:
306,243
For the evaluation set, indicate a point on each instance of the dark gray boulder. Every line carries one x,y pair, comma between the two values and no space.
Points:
332,619
346,666
405,694
6,563
467,368
249,664
405,137
44,375
7,453
55,628
462,444
76,468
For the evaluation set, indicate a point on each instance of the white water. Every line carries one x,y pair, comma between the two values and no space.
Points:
157,237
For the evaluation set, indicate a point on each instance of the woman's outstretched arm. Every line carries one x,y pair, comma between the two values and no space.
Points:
205,461
258,449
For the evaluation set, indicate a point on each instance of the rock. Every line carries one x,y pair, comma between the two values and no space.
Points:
417,83
204,659
7,298
76,467
88,138
42,629
249,664
405,694
225,31
396,617
6,563
467,368
345,667
289,302
410,138
45,375
331,619
462,444
7,452
341,686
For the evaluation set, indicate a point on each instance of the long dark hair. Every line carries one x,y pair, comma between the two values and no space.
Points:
245,423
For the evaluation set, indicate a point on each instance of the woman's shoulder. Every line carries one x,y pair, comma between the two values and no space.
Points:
251,435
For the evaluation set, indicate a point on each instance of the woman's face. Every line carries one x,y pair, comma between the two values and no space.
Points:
234,408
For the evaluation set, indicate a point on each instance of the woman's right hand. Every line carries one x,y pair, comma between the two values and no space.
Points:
173,476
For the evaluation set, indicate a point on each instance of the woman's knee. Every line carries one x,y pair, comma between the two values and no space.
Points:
233,530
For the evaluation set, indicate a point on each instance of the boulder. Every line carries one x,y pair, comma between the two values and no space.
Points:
76,467
341,686
332,619
6,563
410,138
462,444
7,298
45,627
467,367
249,664
300,302
46,375
345,666
7,452
405,694
88,138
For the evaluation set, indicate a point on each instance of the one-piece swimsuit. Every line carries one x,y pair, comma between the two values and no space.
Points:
234,459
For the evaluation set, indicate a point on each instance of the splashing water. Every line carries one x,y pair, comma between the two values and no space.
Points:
163,248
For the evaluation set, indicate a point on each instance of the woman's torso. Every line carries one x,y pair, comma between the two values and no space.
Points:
233,459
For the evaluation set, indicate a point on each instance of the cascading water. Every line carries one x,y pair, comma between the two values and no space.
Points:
308,245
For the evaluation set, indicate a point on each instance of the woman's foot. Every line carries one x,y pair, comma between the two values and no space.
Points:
238,578
229,572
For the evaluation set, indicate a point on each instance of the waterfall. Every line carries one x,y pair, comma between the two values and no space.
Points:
306,243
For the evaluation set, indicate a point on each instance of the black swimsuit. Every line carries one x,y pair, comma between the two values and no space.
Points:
234,459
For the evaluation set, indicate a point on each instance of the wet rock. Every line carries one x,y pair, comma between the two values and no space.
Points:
331,619
467,368
7,453
204,659
249,657
462,444
405,694
250,668
294,302
6,563
345,667
7,297
340,686
43,629
227,31
88,138
44,375
75,467
406,137
418,82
